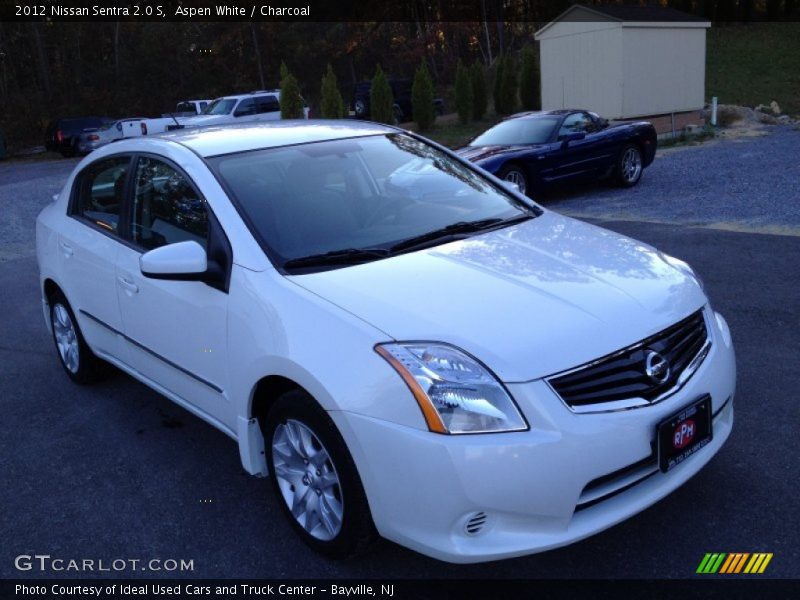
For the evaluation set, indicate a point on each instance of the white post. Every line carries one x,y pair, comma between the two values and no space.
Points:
714,111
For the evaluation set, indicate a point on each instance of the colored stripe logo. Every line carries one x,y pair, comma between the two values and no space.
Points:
734,562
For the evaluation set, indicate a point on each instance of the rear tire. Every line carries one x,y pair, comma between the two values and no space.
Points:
315,478
74,354
629,167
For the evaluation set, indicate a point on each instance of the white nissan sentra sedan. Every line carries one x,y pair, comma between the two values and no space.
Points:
404,344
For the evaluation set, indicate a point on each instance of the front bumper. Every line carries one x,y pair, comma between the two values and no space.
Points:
568,477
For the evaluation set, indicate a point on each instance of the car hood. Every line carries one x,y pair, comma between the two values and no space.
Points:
477,153
529,300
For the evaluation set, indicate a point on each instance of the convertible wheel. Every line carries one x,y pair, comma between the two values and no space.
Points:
315,479
629,166
76,357
516,175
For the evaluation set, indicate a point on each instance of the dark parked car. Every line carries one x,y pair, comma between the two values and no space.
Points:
62,135
401,90
536,149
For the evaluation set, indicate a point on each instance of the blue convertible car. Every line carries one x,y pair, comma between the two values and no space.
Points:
533,150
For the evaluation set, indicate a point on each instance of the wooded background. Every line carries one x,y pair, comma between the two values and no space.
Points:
130,69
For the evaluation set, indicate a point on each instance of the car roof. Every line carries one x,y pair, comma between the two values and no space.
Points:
249,94
241,137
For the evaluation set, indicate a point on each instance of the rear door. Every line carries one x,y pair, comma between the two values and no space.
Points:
89,243
175,330
268,108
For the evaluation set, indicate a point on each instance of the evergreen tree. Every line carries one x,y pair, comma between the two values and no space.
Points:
332,105
497,95
381,100
291,101
422,98
463,93
529,82
508,86
478,82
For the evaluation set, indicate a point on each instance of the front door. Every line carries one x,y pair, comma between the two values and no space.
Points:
175,330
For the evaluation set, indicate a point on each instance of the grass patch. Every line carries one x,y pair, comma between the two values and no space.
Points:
755,63
450,132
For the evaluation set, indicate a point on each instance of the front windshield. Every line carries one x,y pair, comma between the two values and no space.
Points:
220,106
368,192
514,132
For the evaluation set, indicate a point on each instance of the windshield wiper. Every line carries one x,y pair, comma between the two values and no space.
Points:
348,256
456,230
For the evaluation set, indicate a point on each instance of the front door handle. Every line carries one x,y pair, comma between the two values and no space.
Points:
128,284
66,249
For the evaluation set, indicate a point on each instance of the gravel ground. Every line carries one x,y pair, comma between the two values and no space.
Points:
747,183
25,188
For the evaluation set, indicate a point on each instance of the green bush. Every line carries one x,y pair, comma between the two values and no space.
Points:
381,100
463,91
478,82
291,101
332,105
422,98
529,81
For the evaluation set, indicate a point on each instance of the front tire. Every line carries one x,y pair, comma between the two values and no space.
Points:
515,174
78,360
629,166
315,478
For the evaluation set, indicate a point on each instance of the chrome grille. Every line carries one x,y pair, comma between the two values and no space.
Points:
623,375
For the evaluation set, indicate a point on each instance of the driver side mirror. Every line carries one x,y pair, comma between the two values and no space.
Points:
182,261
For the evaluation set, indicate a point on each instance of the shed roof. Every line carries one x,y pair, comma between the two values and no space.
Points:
628,14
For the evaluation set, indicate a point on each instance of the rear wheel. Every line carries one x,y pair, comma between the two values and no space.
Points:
629,166
315,478
76,357
515,174
360,109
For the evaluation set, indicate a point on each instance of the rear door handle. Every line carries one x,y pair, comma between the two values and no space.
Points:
128,284
66,249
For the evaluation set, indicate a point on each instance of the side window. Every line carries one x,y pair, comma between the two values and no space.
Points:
166,208
267,104
246,107
575,123
101,190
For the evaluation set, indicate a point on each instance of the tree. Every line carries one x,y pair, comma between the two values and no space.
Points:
422,98
478,82
529,81
463,93
497,95
381,99
508,87
291,100
331,105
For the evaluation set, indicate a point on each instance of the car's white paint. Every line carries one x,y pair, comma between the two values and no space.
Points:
528,301
180,258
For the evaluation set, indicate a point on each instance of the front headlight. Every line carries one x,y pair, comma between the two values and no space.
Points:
455,392
683,267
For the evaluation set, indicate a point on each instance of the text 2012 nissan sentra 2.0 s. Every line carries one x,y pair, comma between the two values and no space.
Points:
404,345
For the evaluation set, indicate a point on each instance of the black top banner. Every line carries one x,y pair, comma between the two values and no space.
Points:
371,10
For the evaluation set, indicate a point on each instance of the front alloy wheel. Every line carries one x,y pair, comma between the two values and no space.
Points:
516,175
307,480
315,478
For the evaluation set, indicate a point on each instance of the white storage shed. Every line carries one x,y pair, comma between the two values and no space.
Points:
624,61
